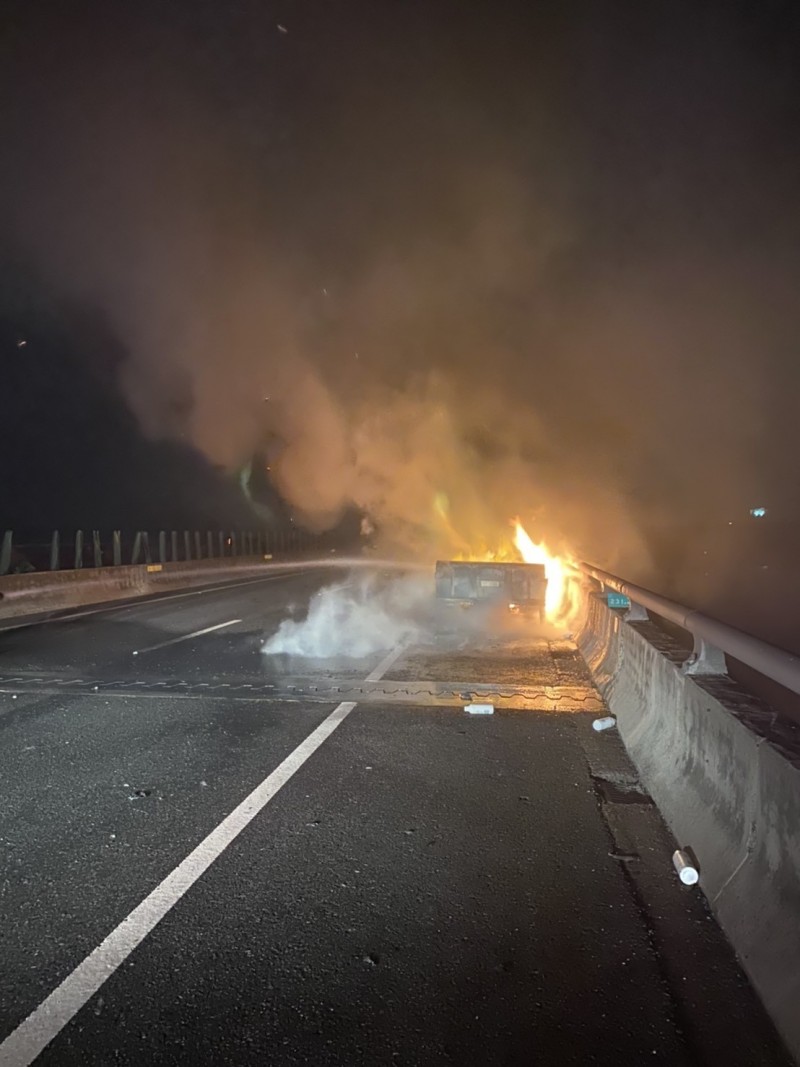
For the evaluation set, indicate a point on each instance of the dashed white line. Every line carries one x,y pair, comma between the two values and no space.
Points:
385,664
186,637
35,1033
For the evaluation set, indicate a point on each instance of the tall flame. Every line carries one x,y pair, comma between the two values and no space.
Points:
561,598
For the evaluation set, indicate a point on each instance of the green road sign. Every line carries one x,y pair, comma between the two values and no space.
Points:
618,600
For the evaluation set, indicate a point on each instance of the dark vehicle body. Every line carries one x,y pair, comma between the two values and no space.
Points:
516,586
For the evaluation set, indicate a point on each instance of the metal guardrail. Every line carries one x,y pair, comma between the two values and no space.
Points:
713,640
115,549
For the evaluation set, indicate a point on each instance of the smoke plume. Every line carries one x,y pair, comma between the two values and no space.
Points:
429,275
357,618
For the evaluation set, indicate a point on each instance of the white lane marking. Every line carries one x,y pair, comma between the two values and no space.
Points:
186,637
35,1033
385,664
154,600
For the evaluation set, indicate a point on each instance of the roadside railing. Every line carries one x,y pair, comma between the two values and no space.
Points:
82,549
713,640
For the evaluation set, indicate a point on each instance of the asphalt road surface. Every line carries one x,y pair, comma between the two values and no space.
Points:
209,855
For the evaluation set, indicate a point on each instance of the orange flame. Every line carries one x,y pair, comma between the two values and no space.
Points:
561,602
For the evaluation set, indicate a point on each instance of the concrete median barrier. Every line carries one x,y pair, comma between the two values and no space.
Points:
725,773
52,591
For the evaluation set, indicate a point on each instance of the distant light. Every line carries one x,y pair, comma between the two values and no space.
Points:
758,513
21,343
282,29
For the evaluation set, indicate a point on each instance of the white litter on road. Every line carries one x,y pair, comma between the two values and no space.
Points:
605,723
684,865
479,709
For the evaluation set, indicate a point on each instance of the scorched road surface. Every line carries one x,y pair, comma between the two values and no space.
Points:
214,856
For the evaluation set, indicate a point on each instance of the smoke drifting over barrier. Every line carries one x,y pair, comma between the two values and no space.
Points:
448,278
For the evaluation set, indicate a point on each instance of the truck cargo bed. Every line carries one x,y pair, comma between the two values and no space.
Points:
520,586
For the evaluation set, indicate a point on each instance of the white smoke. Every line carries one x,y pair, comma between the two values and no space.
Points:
358,618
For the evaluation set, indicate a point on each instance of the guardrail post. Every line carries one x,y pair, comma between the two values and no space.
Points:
55,551
232,539
209,544
116,548
146,546
136,551
198,552
705,659
187,545
5,552
221,543
97,548
162,546
173,537
259,549
636,613
78,549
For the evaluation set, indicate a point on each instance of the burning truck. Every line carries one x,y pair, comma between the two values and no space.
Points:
521,577
520,588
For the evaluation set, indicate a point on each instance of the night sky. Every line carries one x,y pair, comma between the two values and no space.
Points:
535,258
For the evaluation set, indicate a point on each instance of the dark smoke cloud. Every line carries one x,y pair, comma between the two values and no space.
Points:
538,262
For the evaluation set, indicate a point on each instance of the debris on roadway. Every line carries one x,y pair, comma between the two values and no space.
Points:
685,866
479,709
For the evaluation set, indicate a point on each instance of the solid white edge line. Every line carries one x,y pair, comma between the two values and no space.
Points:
186,637
44,1024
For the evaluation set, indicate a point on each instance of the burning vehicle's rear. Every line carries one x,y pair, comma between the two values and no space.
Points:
517,587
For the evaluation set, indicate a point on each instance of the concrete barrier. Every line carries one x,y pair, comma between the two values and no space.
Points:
725,773
51,591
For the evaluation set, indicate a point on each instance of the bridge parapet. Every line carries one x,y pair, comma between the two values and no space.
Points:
722,766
